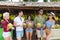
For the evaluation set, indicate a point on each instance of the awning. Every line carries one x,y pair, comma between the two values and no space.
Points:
30,5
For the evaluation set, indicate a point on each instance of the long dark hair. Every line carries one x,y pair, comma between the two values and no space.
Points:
30,17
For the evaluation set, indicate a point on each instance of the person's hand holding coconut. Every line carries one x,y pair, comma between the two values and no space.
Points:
9,26
38,25
24,25
29,25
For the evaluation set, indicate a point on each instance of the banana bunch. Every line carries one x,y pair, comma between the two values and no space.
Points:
57,26
12,17
0,15
56,18
25,17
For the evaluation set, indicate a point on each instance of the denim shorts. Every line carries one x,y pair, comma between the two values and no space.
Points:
19,34
29,30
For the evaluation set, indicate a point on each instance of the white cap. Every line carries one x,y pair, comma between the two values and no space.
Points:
52,13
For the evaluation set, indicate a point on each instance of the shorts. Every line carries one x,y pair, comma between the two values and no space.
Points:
29,30
19,34
40,33
6,34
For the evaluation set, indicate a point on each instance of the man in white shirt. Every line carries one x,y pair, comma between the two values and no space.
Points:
18,23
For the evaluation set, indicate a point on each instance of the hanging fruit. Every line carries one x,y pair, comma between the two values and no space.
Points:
0,15
12,17
25,17
56,18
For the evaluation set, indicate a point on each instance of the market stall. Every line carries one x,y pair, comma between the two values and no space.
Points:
29,9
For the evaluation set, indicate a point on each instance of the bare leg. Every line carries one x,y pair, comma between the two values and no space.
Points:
48,37
31,35
44,39
27,35
10,37
19,38
38,39
7,38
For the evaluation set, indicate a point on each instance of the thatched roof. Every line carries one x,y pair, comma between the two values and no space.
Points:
31,5
42,4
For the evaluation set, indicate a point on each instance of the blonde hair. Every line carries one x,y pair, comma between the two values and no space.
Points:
5,15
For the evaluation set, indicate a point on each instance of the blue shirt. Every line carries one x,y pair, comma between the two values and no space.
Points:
49,24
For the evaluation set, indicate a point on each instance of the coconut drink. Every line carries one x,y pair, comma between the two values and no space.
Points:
24,25
29,24
9,26
38,25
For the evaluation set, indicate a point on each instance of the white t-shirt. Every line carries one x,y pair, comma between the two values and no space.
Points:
19,21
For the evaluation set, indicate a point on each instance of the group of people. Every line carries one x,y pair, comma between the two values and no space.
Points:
44,31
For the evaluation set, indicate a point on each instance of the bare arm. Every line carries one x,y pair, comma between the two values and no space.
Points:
15,24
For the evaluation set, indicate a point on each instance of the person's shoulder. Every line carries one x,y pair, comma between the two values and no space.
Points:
43,15
54,21
36,16
26,20
47,21
16,18
3,21
22,18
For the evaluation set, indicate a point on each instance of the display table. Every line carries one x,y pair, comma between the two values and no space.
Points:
55,34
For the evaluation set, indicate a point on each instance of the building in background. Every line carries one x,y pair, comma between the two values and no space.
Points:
32,0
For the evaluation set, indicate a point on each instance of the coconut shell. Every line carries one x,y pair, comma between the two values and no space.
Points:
29,24
9,26
38,25
24,25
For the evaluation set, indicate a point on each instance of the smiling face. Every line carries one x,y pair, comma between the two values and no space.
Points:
21,13
29,18
6,15
50,16
41,12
